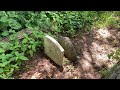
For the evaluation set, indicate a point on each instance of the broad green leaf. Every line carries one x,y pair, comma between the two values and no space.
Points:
33,47
24,48
5,63
1,70
12,37
15,66
8,55
12,59
12,14
19,62
4,59
26,36
16,53
11,31
4,19
5,45
31,52
16,58
2,65
23,58
14,24
5,33
25,41
32,41
2,50
29,46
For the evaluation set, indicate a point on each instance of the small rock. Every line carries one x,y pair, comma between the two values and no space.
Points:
78,57
33,77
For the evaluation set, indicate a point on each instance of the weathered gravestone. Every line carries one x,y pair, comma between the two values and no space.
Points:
70,52
53,50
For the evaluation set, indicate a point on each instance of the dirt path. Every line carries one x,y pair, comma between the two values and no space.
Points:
92,48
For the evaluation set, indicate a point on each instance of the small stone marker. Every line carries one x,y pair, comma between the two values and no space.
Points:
53,50
70,52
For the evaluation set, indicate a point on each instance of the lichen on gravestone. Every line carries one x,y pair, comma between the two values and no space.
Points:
53,50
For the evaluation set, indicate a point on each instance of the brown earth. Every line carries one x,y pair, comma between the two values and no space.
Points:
92,48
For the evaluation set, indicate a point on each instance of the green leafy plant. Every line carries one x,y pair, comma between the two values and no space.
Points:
115,55
12,53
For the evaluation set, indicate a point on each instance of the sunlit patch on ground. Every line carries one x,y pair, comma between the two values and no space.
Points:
104,33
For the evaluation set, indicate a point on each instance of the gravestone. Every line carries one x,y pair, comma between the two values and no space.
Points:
53,50
70,52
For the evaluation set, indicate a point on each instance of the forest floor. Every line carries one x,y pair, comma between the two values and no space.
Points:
93,49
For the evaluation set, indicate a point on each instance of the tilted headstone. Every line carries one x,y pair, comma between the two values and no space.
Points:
53,50
70,52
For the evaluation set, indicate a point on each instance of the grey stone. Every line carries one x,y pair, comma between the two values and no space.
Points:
53,50
70,52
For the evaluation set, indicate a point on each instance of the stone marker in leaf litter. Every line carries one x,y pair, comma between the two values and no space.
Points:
53,50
